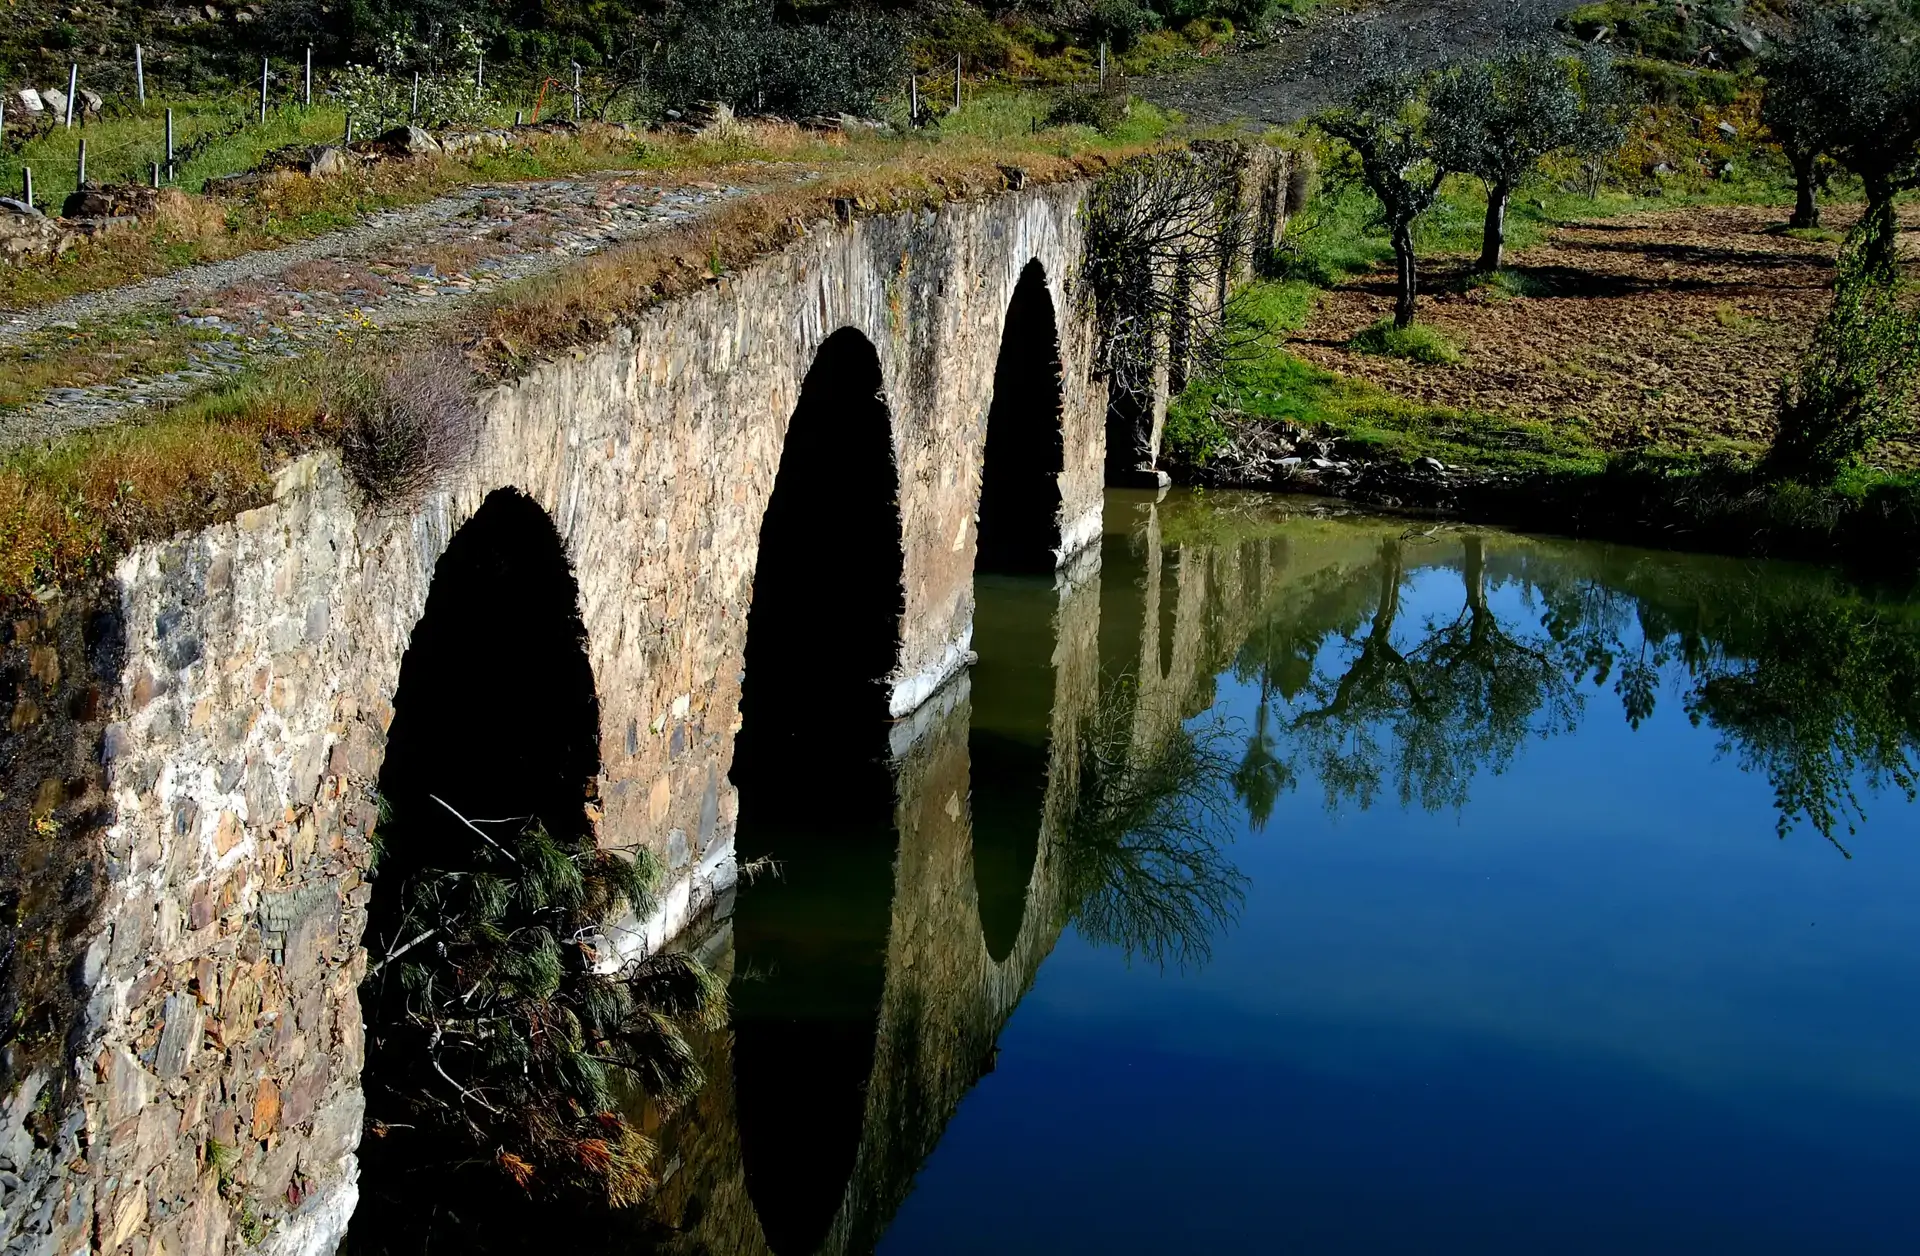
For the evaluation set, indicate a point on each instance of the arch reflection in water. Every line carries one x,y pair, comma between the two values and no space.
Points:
865,997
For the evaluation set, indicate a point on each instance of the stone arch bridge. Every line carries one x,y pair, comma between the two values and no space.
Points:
232,692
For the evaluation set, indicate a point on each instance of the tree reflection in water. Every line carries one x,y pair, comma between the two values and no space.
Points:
1809,681
1140,855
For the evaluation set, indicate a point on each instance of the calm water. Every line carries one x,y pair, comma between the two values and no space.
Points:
1293,881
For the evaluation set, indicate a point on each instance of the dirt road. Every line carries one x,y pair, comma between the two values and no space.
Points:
1301,71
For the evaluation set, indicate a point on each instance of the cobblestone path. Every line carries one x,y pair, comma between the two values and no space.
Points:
396,270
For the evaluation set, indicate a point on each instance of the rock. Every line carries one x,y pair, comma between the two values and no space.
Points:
90,102
329,161
55,99
241,184
1660,170
1015,176
30,100
1728,131
11,206
1432,466
1725,171
32,235
466,142
404,141
122,200
849,123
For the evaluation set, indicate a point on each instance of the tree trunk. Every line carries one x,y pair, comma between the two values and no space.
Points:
1880,229
1806,202
1409,285
1493,240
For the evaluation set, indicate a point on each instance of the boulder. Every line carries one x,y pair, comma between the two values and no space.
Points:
401,141
32,235
8,205
319,161
30,100
55,100
90,102
464,143
121,200
330,161
242,184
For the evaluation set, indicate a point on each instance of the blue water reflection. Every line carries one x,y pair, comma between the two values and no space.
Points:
1570,990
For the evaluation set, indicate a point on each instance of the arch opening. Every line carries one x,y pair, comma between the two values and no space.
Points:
1009,746
1024,454
495,713
816,795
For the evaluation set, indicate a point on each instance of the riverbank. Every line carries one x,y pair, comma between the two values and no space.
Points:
1616,380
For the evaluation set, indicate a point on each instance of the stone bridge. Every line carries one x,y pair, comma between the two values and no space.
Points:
783,482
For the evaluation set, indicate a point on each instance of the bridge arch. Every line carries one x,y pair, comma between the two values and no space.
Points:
816,795
1024,455
494,713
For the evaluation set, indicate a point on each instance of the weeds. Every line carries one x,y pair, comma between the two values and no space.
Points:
1418,343
402,426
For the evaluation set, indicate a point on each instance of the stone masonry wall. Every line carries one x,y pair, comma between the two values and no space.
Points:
209,1101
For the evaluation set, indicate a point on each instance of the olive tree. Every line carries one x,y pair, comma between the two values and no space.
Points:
1384,121
1497,118
1805,69
1845,83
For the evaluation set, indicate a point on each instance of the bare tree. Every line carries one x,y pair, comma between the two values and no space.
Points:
1384,122
1165,232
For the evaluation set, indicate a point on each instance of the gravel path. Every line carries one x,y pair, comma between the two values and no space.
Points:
1298,73
398,269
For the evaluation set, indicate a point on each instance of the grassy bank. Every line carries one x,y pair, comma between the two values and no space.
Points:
67,511
1534,474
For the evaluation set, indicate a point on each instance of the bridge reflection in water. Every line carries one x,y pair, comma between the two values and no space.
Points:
913,887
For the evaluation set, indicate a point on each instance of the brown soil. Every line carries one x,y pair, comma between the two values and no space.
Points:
1671,327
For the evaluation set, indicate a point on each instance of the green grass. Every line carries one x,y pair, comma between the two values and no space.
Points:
1261,380
1417,343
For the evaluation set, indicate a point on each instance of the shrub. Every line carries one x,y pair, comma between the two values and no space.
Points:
1102,110
402,430
737,53
1121,22
1415,342
1857,383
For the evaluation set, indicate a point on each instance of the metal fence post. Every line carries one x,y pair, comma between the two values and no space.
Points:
263,91
73,89
139,76
82,180
26,185
415,111
576,91
306,93
169,139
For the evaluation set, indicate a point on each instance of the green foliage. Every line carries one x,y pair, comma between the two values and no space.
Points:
740,52
1856,385
1418,343
501,1035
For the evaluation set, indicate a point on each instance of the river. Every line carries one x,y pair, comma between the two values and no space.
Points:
1294,879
